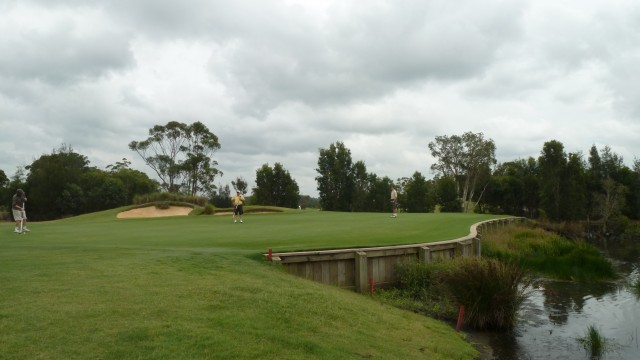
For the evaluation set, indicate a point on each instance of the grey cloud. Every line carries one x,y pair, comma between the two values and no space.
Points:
367,54
63,54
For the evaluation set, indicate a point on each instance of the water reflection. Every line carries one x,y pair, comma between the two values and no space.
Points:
559,312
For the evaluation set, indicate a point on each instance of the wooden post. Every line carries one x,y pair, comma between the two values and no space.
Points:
459,249
425,254
477,246
362,272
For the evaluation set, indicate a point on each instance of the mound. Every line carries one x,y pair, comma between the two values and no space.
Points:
152,211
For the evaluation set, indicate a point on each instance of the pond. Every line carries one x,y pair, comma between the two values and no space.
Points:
558,313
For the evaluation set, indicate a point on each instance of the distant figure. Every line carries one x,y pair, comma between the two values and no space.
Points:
394,202
19,212
237,201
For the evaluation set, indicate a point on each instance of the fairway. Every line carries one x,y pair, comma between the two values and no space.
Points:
196,287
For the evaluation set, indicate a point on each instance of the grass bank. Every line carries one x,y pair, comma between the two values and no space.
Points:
196,287
547,253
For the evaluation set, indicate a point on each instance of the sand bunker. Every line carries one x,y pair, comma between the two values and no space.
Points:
152,211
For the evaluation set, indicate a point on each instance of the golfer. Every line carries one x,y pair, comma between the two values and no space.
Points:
394,202
19,212
237,201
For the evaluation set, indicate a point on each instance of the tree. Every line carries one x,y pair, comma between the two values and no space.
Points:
240,184
514,188
135,182
611,201
417,194
361,187
4,190
49,176
101,191
4,180
119,165
199,168
221,197
274,186
447,195
463,158
574,189
335,180
552,161
379,197
180,155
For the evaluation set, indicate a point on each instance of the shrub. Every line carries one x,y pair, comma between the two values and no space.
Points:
163,205
5,216
169,197
491,291
209,209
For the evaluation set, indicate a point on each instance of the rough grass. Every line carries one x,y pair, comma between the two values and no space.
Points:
196,287
547,253
490,290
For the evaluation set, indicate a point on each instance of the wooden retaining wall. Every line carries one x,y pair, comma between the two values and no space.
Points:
360,268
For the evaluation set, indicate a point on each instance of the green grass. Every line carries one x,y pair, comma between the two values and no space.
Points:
196,287
594,342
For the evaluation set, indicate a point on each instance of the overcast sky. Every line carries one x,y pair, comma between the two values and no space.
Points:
278,80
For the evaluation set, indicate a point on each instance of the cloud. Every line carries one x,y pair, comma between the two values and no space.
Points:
277,80
62,46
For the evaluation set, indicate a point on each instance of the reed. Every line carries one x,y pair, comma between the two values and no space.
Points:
594,342
547,253
492,291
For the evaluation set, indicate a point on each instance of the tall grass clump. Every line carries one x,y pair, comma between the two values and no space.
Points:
593,342
491,291
547,253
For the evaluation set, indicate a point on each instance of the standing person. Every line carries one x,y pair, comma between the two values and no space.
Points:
394,202
237,201
19,212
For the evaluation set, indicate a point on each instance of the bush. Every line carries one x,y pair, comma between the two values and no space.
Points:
491,291
169,197
209,209
6,216
163,205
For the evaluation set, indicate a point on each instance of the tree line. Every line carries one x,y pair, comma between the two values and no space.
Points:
64,183
557,185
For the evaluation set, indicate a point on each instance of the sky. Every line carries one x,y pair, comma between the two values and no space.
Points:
278,80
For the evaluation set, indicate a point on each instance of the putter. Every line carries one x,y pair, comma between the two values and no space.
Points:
22,219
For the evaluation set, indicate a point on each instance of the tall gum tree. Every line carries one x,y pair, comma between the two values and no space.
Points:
464,158
181,156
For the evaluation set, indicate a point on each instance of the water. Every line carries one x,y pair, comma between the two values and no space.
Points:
558,313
